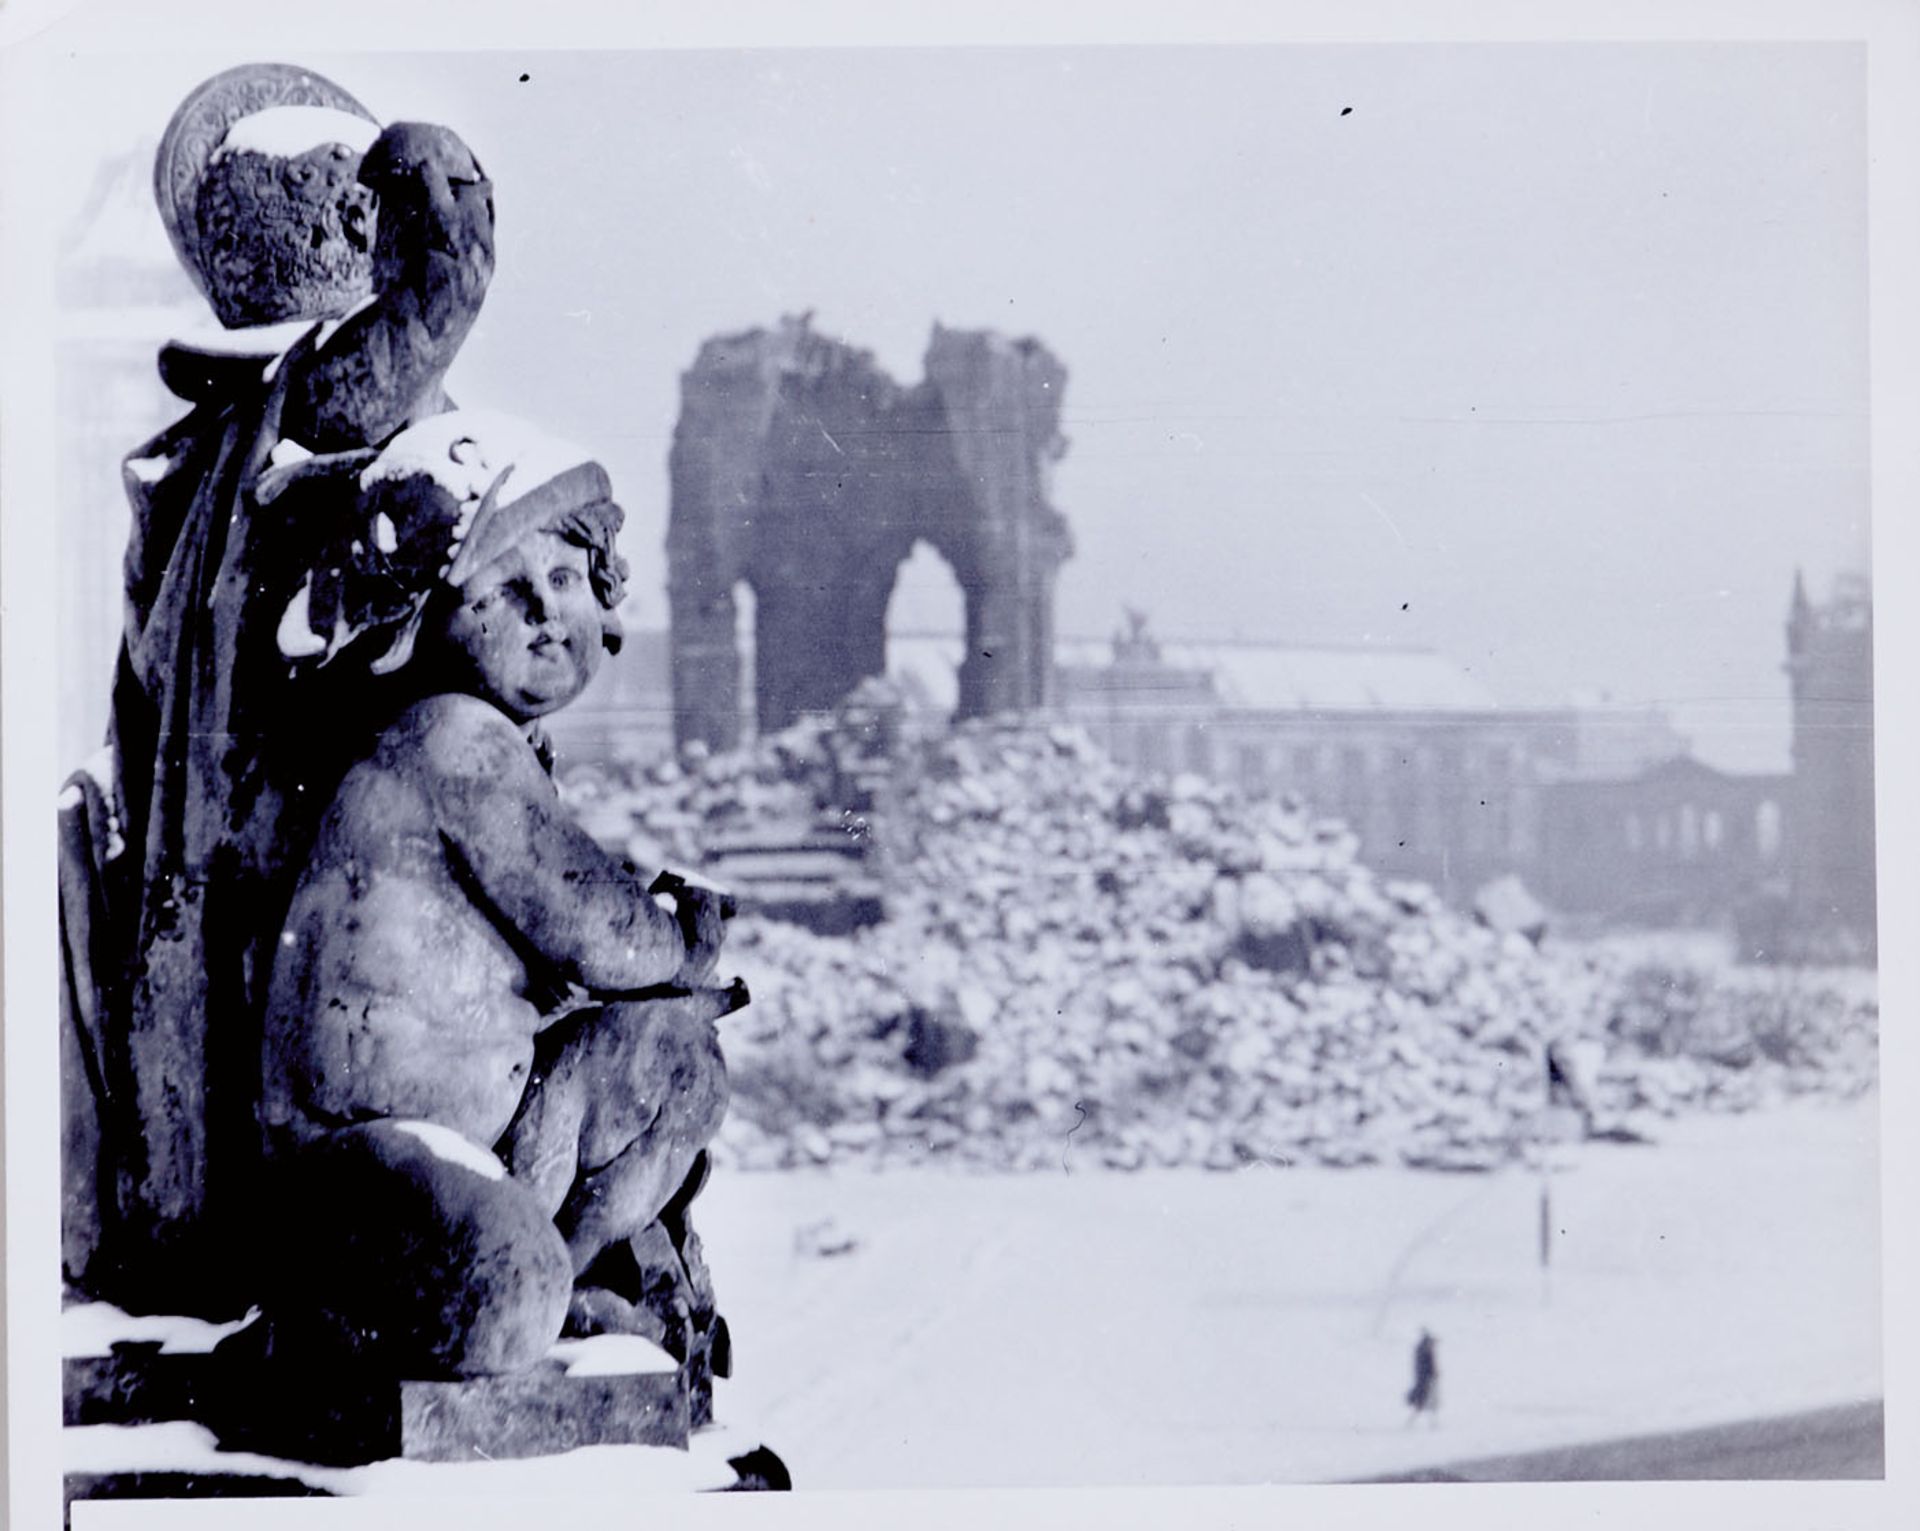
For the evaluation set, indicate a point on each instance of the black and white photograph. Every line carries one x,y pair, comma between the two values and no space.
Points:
834,764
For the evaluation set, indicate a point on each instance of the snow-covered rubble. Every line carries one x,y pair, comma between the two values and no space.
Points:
1082,963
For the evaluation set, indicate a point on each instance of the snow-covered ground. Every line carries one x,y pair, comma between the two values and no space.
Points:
1089,1327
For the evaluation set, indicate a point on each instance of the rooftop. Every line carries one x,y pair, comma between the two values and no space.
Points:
1313,678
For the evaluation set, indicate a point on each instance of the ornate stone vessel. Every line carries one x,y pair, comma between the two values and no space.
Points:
257,183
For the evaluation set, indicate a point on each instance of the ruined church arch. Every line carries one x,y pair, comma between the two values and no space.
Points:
801,468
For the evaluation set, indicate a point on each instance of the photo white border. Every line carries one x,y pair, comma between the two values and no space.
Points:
30,774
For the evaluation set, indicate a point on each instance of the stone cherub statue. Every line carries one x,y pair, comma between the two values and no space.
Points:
366,254
358,1026
490,1056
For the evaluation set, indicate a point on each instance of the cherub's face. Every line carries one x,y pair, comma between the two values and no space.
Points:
528,635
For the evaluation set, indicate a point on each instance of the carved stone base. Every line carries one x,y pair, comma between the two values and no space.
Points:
610,1390
135,1384
275,1425
545,1410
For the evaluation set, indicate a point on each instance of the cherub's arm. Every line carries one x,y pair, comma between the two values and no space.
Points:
432,260
589,916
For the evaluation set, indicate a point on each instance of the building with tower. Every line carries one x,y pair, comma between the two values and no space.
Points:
1830,833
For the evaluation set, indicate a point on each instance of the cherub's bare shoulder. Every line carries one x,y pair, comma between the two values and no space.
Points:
459,736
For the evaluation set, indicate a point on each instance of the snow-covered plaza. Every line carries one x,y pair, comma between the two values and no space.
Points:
1169,1326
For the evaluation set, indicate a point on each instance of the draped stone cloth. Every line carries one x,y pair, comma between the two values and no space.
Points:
222,752
215,760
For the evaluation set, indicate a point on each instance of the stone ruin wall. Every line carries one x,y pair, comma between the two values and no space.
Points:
801,468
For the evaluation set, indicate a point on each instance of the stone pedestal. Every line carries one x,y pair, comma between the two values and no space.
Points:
606,1391
273,1428
135,1384
563,1403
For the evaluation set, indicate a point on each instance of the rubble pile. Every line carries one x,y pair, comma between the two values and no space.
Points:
676,810
1688,1038
1083,966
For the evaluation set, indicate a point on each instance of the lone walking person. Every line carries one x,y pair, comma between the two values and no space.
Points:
1424,1396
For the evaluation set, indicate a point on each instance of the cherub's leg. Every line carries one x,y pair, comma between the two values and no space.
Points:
658,1092
636,1286
542,1147
403,1245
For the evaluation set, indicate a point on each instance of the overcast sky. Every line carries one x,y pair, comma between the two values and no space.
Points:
1551,357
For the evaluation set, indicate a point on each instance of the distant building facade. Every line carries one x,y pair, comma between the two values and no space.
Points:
1600,810
1438,781
1678,843
1790,857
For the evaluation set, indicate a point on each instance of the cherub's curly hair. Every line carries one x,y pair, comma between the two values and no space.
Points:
594,528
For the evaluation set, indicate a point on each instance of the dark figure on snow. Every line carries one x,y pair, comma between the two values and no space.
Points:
1424,1396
